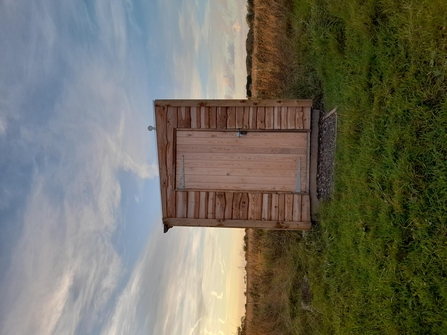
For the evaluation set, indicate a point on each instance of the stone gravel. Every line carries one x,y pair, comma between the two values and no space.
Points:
326,155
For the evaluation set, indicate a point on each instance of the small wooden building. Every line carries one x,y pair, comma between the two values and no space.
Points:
236,163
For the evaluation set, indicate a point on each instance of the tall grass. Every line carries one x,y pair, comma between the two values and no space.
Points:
276,282
377,261
275,65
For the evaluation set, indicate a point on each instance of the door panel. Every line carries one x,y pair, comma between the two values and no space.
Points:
261,161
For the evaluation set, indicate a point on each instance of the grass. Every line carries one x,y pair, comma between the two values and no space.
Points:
276,278
274,63
377,261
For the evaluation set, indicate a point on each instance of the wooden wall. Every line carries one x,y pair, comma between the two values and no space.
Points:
253,117
285,115
265,206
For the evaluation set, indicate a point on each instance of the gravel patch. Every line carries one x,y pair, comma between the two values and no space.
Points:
326,155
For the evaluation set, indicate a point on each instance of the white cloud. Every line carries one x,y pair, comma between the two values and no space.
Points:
236,27
3,126
218,296
221,29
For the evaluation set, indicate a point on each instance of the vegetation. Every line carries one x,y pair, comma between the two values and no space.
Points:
377,260
275,288
275,66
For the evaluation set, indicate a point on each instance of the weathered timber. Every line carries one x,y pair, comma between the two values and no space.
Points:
221,223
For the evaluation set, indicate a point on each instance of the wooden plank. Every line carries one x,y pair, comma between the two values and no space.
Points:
237,197
263,148
258,206
195,117
288,211
333,111
264,138
196,204
241,157
246,187
299,118
252,207
203,205
305,208
211,205
228,205
246,120
284,118
266,206
202,159
281,207
235,165
197,135
275,204
212,116
182,204
221,118
204,118
233,171
306,183
297,207
221,223
239,117
197,148
192,200
198,117
279,181
231,117
260,120
253,131
313,169
276,118
170,161
243,209
307,114
252,111
269,116
232,103
291,118
184,117
220,205
162,142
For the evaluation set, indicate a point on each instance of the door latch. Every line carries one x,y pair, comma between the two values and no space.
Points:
241,133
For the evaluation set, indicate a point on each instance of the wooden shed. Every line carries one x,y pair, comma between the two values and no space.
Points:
236,163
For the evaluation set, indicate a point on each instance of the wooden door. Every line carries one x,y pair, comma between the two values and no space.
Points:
257,161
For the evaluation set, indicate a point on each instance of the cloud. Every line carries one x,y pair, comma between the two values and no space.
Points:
236,27
218,296
226,38
222,266
3,126
195,326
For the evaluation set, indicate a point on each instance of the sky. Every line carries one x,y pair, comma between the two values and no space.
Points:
82,249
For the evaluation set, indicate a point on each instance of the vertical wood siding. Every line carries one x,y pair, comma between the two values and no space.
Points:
254,117
243,205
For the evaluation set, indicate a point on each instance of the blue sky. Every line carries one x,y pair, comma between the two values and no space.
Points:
81,243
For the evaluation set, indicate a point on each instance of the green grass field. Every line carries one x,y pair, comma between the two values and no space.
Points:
377,261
